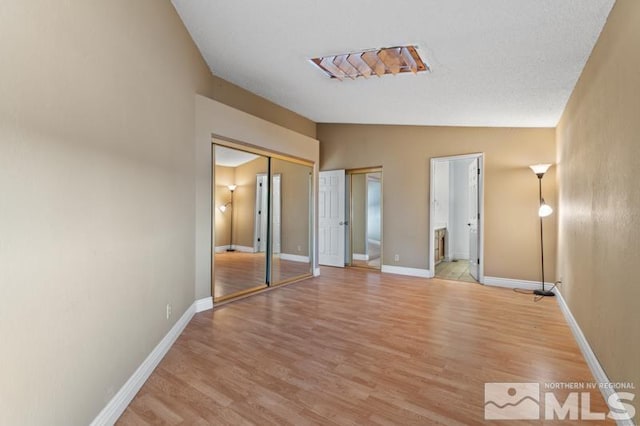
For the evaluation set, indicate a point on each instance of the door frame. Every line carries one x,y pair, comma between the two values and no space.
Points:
433,161
276,237
349,206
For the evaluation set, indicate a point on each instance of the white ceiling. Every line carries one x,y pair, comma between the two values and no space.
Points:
232,157
506,63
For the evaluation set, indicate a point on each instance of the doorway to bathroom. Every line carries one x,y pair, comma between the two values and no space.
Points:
456,218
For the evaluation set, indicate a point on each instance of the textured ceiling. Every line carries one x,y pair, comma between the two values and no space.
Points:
493,62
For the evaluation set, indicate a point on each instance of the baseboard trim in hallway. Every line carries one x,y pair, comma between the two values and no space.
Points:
121,400
412,272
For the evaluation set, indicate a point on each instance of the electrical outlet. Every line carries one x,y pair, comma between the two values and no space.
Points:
396,258
168,310
299,248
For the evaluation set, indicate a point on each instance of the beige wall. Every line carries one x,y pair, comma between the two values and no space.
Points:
96,196
599,194
511,189
238,98
97,210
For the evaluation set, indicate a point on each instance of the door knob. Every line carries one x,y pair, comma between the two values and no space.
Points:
469,224
341,223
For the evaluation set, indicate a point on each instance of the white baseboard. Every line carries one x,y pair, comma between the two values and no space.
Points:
294,257
121,400
204,304
360,256
243,249
374,242
511,283
401,270
592,361
461,256
316,272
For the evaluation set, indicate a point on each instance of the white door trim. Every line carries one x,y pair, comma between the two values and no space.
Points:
276,213
474,207
432,224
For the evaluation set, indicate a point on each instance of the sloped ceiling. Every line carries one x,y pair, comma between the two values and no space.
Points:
510,63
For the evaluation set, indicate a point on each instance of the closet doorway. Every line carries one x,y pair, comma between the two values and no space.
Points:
262,208
364,231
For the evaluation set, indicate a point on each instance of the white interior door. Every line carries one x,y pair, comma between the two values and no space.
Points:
277,214
474,235
331,218
260,234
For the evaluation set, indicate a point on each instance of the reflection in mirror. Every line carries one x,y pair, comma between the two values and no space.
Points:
366,223
240,200
291,212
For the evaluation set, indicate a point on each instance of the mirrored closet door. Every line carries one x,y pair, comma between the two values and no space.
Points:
291,213
240,203
262,221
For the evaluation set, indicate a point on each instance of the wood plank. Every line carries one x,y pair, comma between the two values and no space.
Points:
355,346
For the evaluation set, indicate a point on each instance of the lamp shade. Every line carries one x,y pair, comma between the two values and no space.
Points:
540,169
544,210
232,187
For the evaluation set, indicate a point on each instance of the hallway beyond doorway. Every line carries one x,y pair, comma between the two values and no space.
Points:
456,270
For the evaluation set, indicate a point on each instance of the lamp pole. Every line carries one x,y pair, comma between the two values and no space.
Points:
231,227
541,233
542,292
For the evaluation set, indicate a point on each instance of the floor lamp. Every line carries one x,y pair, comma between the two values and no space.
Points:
223,209
543,211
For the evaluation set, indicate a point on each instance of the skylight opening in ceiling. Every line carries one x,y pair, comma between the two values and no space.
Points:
387,60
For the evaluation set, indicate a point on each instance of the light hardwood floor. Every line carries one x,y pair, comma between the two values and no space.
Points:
358,347
238,271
